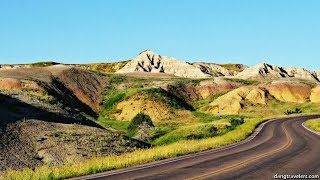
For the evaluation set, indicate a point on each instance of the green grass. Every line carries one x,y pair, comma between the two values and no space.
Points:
305,108
242,81
195,131
101,164
203,104
314,124
118,96
205,118
183,81
120,126
158,94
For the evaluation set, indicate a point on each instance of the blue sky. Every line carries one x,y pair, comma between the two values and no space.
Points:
283,32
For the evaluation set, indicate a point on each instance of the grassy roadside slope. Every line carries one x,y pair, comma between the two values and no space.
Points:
102,164
314,124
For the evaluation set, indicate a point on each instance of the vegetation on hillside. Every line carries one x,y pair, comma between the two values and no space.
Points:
104,68
242,81
159,94
43,64
234,67
101,164
138,121
314,124
293,111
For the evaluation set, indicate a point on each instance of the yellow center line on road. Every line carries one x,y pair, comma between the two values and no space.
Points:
247,161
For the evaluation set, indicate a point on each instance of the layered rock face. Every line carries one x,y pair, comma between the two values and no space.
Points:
267,71
207,88
236,100
148,61
290,92
315,95
301,73
232,102
263,71
17,66
214,70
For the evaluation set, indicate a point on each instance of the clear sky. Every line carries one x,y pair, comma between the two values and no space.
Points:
282,32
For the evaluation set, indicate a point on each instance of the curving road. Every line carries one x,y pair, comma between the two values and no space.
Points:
281,146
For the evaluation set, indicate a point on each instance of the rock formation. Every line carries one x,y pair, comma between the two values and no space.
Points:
289,92
214,69
148,61
301,73
315,95
263,71
16,66
232,102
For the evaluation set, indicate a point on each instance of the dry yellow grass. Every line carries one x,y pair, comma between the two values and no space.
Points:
314,124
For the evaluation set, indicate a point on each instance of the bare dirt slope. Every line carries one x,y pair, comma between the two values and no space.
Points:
43,118
72,86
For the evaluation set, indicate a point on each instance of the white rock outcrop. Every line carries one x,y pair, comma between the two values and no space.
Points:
214,70
263,71
17,66
301,73
149,61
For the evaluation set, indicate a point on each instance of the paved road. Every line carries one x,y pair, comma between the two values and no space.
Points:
282,146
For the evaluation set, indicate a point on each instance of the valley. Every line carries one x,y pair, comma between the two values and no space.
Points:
57,117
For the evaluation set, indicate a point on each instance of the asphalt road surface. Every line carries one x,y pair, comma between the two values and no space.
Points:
281,146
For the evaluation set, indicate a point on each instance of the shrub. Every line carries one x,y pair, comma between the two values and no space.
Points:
213,130
44,64
236,121
139,120
293,111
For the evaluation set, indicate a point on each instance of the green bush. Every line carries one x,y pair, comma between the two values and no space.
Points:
138,121
44,64
293,111
236,121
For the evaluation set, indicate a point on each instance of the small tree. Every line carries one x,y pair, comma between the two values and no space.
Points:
139,120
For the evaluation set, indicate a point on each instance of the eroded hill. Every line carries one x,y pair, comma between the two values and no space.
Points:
55,113
46,118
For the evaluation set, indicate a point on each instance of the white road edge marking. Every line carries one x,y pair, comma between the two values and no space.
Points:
304,125
166,161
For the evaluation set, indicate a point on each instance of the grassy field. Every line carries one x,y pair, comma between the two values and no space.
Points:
101,164
314,124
